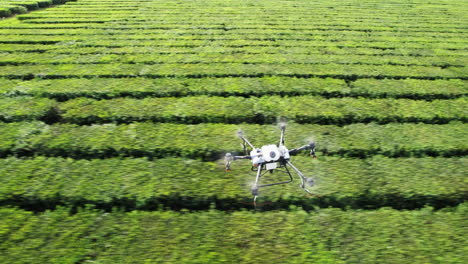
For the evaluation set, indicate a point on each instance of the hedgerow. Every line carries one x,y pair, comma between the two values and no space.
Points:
209,141
33,58
416,89
12,7
382,236
64,238
106,88
150,49
29,5
195,33
193,43
43,183
315,37
211,109
230,70
13,136
302,109
189,25
7,10
27,108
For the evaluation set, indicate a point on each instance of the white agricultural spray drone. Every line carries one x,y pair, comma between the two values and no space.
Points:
270,158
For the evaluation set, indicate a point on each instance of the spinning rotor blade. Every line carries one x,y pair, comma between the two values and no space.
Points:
312,149
227,161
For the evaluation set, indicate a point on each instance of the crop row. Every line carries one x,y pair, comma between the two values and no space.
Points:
69,49
264,33
209,141
406,183
275,16
252,40
13,7
342,71
233,25
342,11
24,108
278,5
46,58
252,43
216,35
239,42
106,88
322,236
304,109
234,110
199,25
245,26
251,16
448,22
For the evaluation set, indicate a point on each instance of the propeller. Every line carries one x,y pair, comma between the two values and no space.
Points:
312,149
227,161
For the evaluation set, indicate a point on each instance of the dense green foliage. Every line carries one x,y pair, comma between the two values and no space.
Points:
178,183
128,106
105,88
203,140
323,236
416,89
26,108
267,109
229,70
13,7
13,136
32,58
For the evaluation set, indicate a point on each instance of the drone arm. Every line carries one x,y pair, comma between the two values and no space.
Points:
303,178
246,141
230,158
298,149
283,128
241,136
310,146
242,157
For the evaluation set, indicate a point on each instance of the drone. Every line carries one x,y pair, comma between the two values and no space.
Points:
270,158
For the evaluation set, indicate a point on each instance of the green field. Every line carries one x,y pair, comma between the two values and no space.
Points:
115,116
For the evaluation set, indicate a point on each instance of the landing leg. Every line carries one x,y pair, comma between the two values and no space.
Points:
255,186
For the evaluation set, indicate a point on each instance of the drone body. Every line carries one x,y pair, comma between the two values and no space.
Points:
269,154
271,158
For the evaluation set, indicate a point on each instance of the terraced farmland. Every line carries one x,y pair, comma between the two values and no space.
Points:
115,116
